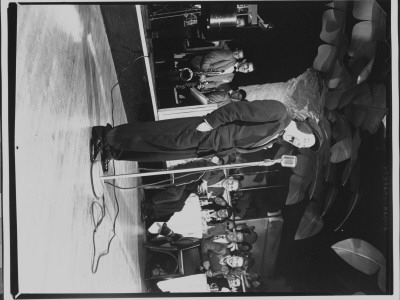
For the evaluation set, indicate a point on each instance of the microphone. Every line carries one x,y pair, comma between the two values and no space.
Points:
288,161
285,161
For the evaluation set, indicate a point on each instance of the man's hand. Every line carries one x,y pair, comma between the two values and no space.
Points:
206,265
204,127
230,224
202,189
233,246
209,273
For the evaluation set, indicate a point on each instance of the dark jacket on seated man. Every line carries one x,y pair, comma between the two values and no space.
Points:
172,199
214,252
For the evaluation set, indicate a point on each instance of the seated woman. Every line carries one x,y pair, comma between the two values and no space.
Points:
216,216
217,259
212,202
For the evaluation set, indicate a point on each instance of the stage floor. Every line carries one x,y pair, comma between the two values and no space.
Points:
64,76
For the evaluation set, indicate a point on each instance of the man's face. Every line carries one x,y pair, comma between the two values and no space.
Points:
230,184
236,95
222,213
236,237
238,54
300,140
240,22
219,201
233,282
246,67
235,261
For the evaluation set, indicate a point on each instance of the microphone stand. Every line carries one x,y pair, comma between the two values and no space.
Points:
98,178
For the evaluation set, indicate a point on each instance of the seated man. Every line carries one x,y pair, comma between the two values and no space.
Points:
216,216
213,79
217,60
217,259
172,199
222,98
230,237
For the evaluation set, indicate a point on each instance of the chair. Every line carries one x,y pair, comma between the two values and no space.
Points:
176,251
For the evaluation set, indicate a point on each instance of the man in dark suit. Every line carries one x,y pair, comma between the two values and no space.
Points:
217,259
172,199
239,127
222,98
220,66
217,60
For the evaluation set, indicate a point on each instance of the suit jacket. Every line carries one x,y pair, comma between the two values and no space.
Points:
214,252
215,60
217,229
218,60
220,98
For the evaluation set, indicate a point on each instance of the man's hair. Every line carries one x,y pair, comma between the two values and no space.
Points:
213,200
302,127
308,126
218,220
239,178
250,237
239,49
253,66
243,93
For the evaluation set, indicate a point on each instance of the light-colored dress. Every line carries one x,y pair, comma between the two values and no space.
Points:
187,222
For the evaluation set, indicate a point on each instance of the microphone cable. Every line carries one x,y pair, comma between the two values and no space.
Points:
101,204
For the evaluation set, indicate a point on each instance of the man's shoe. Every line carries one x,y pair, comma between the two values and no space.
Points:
104,161
145,211
96,142
165,230
95,148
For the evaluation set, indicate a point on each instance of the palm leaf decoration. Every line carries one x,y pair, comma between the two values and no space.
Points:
336,75
330,172
364,257
355,146
370,10
362,47
361,101
360,255
355,198
346,96
332,23
311,222
354,155
355,176
377,110
330,199
296,193
340,5
341,150
326,129
382,279
326,57
346,172
341,128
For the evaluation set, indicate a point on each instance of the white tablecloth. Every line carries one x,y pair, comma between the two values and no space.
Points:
187,284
